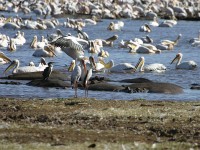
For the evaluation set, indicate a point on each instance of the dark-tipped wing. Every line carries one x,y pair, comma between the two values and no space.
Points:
68,42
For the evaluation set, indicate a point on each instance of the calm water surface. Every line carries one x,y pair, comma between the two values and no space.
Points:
183,78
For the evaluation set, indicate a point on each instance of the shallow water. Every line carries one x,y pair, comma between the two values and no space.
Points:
183,78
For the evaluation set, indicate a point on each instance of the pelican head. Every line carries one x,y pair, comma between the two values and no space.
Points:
140,63
12,65
4,57
72,65
50,49
108,65
34,42
111,26
177,58
149,39
148,27
43,61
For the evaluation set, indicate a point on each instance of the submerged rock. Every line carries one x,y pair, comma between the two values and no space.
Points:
156,87
37,75
49,83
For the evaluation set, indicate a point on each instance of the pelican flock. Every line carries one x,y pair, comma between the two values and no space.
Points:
85,40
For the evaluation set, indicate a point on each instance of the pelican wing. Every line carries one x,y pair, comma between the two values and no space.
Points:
69,42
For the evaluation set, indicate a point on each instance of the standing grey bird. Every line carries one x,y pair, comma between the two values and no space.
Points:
47,71
75,76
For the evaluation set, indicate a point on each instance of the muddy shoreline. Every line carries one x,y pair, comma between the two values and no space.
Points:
96,123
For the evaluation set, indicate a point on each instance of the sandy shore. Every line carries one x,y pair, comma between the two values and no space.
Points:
83,123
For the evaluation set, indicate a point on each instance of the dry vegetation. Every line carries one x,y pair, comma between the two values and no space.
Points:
83,123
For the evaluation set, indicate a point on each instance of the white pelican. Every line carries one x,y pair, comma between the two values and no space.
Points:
119,68
47,71
147,39
116,26
188,65
15,63
144,48
12,46
103,53
194,40
175,42
165,47
145,28
149,68
4,42
47,51
107,65
75,76
19,38
71,45
168,23
34,42
154,23
4,59
110,41
38,44
94,48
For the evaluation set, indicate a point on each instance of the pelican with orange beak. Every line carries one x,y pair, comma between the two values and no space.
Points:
155,67
4,59
188,65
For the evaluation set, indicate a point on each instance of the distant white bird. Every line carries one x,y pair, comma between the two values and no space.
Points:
175,42
188,65
168,23
145,28
154,23
12,46
156,67
116,26
19,39
147,39
194,40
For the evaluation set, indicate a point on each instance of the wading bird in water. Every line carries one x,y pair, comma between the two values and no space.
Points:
75,76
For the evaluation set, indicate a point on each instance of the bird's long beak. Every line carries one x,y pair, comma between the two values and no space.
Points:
176,58
10,67
139,64
71,67
50,49
4,57
148,27
102,62
92,62
33,41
